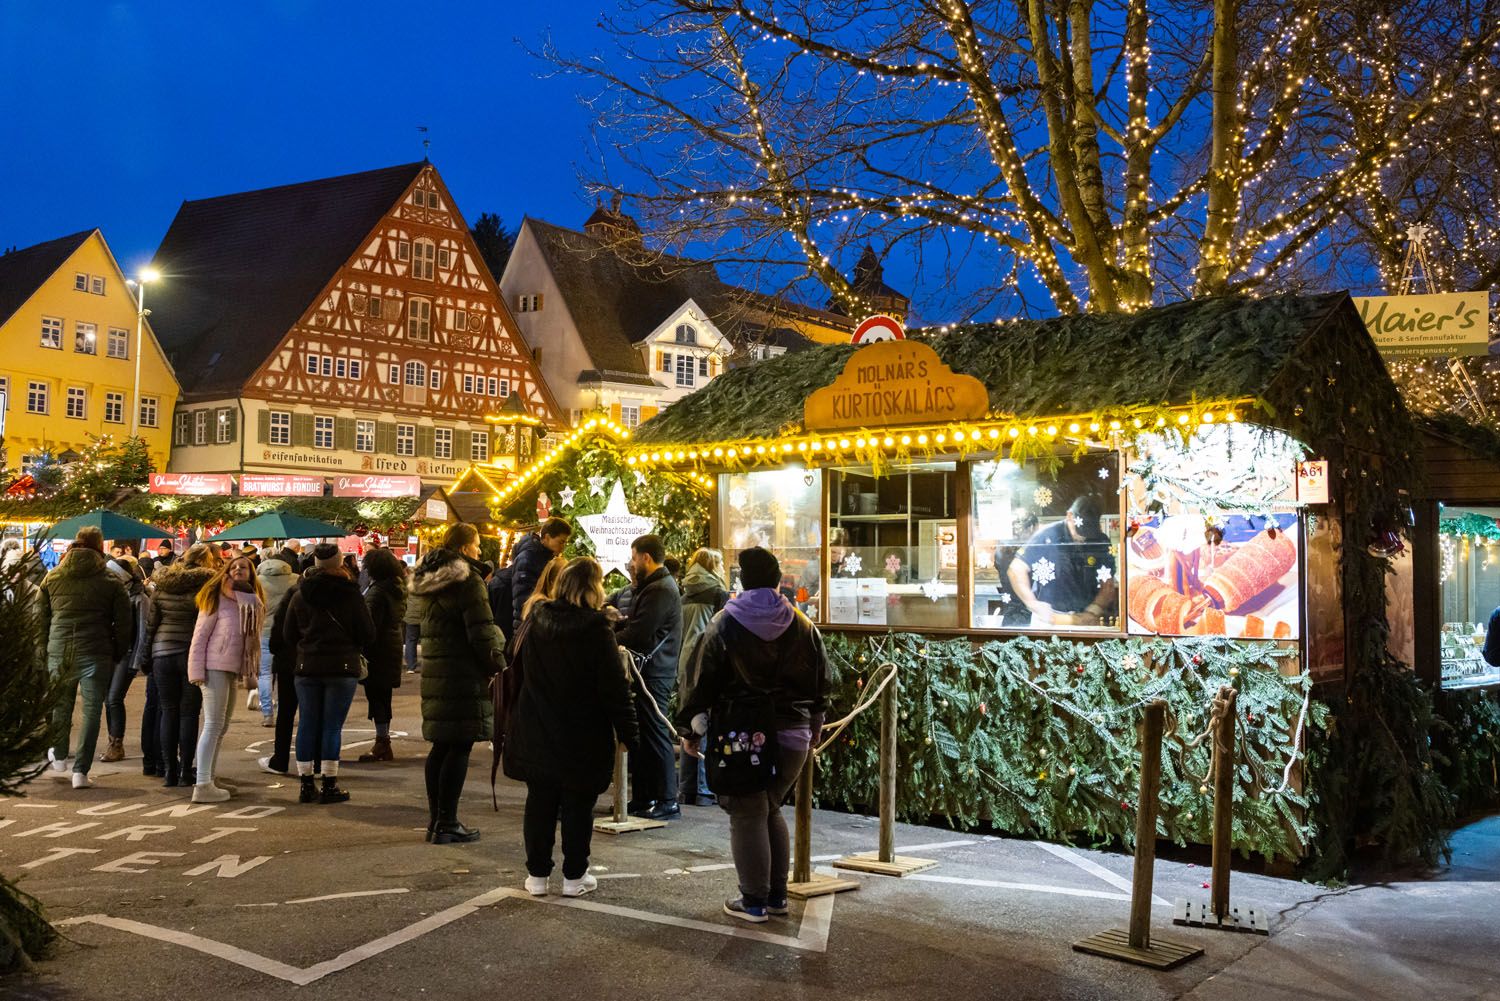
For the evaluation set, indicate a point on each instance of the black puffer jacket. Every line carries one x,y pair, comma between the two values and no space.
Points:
462,648
386,600
574,702
655,624
84,609
527,560
327,620
169,624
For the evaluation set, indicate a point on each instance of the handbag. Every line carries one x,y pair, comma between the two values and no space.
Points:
742,752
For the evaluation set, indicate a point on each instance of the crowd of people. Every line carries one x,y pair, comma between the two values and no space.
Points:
534,657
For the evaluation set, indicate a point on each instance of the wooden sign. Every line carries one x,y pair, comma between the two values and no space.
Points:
1451,324
895,382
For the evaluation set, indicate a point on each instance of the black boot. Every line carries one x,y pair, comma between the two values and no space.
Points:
309,791
331,792
189,776
454,833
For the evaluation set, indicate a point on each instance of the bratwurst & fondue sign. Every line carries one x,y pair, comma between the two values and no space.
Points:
895,382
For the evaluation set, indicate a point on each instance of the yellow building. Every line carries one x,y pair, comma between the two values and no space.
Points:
68,353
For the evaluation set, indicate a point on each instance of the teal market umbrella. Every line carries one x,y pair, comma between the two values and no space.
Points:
280,525
114,526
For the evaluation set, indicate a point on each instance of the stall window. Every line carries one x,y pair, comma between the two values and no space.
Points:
1046,548
777,509
1469,578
893,546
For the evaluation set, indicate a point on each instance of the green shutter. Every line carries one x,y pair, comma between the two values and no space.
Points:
461,444
302,429
343,433
385,437
263,426
425,440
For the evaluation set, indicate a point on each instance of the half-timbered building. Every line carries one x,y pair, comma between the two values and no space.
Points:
343,326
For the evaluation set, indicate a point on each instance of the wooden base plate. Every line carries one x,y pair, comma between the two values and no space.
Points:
899,865
1241,917
628,825
1161,954
820,885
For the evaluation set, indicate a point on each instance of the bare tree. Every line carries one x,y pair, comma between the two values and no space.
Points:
1053,155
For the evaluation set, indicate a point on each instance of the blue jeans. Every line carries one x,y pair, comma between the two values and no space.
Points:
322,706
264,681
413,633
90,675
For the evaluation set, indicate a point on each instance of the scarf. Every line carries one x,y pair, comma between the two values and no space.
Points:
252,615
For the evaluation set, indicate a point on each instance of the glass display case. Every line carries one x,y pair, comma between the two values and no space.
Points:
779,509
1469,577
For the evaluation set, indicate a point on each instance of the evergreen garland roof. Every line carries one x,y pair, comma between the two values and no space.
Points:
1217,348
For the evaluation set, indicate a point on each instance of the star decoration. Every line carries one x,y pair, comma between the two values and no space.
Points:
1043,572
596,485
853,564
1103,473
1104,574
893,564
565,496
612,531
640,478
1042,497
933,589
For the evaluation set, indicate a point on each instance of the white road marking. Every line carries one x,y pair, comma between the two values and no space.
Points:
345,896
1093,868
719,866
32,806
233,954
618,875
1003,885
255,746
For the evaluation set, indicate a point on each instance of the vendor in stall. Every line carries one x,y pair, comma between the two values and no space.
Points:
1065,574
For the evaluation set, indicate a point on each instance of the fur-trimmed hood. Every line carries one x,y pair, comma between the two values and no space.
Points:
179,578
440,569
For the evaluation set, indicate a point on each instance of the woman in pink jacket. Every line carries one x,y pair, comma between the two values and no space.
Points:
226,647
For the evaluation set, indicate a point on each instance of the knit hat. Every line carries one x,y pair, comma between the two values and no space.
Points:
759,568
326,556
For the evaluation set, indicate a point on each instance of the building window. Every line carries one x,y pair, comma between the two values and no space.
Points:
666,361
432,199
312,364
77,402
434,379
423,252
418,320
375,304
364,436
327,362
81,283
686,334
504,387
403,250
442,443
341,368
84,336
96,284
322,432
468,382
630,413
479,446
529,303
685,370
703,367
395,375
459,319
281,427
36,397
183,428
493,385
406,439
223,427
443,258
118,344
149,410
200,427
52,331
356,369
114,408
416,373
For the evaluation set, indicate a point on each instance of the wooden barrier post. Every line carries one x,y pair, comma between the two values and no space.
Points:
804,882
621,822
1217,911
1134,945
885,862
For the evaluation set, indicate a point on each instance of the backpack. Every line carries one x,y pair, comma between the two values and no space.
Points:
741,751
501,606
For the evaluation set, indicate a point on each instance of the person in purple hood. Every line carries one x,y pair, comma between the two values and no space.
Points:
759,645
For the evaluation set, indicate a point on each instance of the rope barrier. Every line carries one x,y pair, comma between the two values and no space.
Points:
832,730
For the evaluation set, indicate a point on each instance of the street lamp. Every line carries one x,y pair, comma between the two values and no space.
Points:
147,276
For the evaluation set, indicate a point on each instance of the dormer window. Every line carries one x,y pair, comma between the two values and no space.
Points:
686,334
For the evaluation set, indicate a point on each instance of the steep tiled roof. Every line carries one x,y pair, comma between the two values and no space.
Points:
239,270
24,271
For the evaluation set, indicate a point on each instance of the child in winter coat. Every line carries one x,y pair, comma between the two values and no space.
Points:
226,647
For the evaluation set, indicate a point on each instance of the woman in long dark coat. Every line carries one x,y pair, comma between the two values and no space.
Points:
386,599
574,705
462,649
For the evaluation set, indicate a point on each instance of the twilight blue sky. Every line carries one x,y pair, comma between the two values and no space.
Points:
112,113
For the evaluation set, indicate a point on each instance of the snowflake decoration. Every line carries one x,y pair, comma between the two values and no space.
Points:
1076,520
596,485
853,564
893,564
1043,572
1103,472
1005,597
1042,497
565,496
1131,662
933,589
1104,574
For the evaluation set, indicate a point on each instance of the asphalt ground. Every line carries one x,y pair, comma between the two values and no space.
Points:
262,896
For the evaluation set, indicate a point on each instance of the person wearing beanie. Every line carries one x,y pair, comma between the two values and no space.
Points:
759,646
386,599
169,635
86,620
328,623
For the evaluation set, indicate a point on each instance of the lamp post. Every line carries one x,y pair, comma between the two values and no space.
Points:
147,275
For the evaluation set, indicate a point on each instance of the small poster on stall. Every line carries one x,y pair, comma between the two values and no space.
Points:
843,600
872,595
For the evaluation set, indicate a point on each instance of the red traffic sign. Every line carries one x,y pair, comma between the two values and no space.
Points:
878,328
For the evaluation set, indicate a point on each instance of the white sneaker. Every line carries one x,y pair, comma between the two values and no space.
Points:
252,699
207,792
578,887
265,766
536,886
81,780
56,765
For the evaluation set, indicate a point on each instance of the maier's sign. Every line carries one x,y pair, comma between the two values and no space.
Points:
895,382
1450,323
